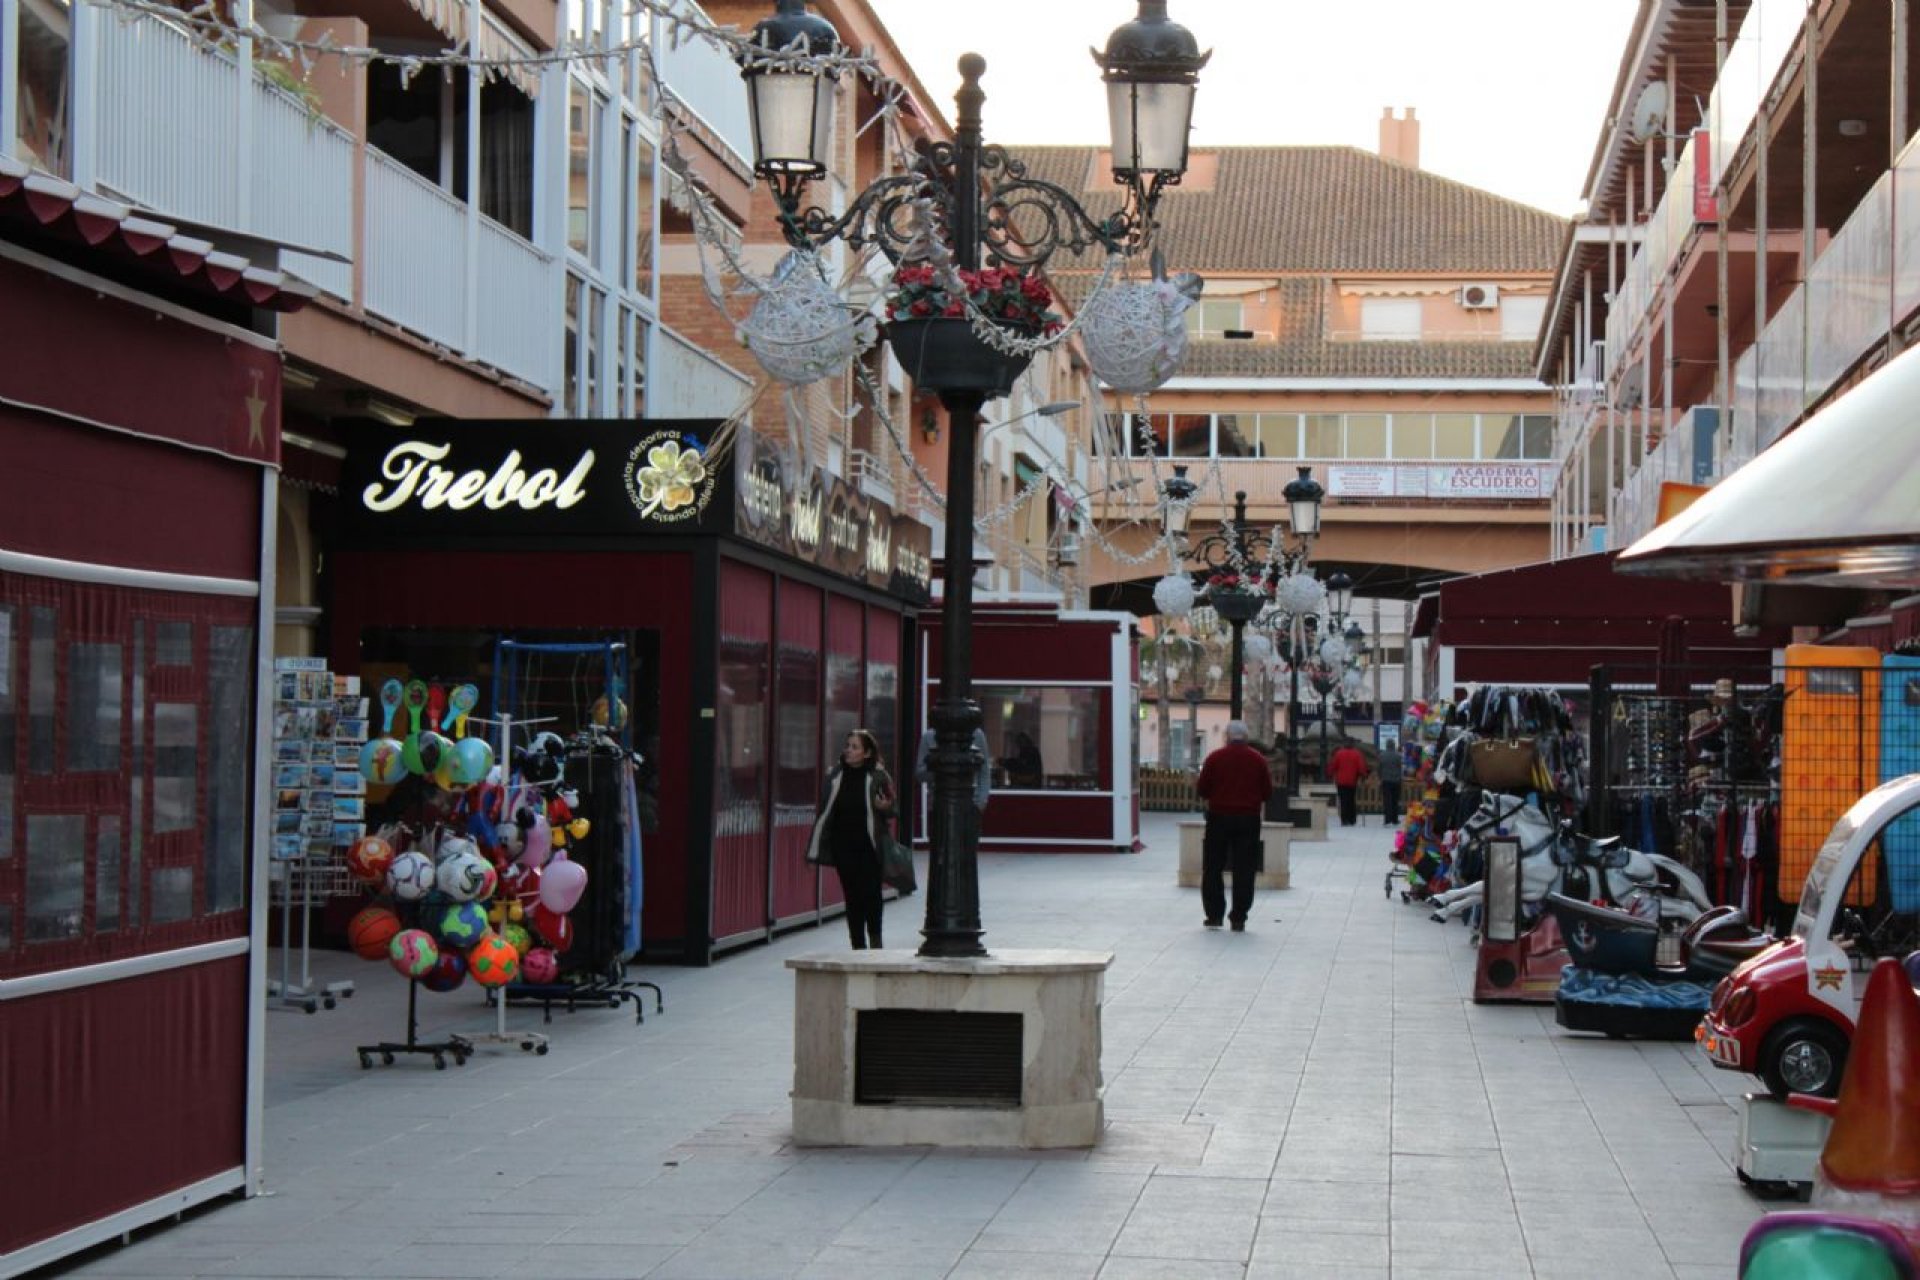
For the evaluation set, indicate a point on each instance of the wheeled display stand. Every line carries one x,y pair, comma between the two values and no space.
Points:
459,1047
302,994
1777,1146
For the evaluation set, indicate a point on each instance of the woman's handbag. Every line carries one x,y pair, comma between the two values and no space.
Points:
896,865
1503,764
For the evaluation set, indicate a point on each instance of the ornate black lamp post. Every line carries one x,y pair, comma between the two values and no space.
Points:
1304,495
1151,66
1234,551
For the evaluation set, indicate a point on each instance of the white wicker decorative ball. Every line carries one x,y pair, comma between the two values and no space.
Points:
1300,593
1136,337
1351,682
1173,595
1333,651
1257,648
1213,673
800,330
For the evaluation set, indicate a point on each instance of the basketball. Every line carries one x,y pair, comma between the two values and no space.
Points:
369,932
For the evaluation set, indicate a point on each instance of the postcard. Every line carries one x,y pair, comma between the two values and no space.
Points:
348,832
286,687
320,775
349,808
346,755
317,826
287,823
290,751
290,775
289,798
287,846
349,783
319,801
351,730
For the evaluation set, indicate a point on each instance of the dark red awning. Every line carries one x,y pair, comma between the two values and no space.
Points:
54,204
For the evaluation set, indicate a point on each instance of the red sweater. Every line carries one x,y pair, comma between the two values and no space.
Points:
1347,767
1235,780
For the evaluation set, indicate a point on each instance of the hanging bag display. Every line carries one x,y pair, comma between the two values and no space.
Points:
1503,764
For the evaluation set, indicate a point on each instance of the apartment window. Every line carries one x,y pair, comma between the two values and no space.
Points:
41,99
1517,435
644,218
412,122
1453,435
570,375
506,156
1413,435
1278,434
1322,436
1390,319
1212,317
1366,435
1192,435
582,171
595,321
1520,318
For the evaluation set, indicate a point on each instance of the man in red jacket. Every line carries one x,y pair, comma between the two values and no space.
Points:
1345,770
1235,783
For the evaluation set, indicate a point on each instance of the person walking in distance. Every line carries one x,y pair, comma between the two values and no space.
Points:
1389,769
1345,770
850,831
1235,783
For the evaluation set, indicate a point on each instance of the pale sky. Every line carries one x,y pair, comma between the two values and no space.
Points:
1511,94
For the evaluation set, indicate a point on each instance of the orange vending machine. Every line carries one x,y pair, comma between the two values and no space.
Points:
1829,752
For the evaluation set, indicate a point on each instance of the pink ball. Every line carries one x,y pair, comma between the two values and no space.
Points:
539,966
561,884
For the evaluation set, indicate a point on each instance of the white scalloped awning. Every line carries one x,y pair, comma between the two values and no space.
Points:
449,18
1396,288
1834,503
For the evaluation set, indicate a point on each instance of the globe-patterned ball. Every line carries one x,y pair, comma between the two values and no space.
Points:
493,962
369,932
413,953
462,925
383,761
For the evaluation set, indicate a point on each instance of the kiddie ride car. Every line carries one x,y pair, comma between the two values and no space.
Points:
1787,1015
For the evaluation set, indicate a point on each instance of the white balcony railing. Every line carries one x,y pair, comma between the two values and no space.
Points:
706,79
871,477
683,381
1768,35
516,328
416,252
1667,230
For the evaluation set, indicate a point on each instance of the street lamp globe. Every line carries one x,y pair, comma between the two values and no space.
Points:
1178,492
790,106
1151,67
1339,592
1303,495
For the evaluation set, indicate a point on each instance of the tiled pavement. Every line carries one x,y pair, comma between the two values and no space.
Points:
1316,1097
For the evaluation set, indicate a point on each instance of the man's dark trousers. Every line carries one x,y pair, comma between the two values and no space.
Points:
1231,841
1348,805
1390,803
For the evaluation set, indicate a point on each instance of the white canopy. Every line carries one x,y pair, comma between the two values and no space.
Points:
1834,503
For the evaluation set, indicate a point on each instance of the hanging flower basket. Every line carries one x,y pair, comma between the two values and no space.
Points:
943,353
1235,605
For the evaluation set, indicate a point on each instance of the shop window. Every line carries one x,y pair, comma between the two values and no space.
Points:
741,787
137,793
42,682
175,766
45,86
883,699
1366,435
797,774
93,708
229,658
8,744
173,644
1043,738
56,876
172,894
106,876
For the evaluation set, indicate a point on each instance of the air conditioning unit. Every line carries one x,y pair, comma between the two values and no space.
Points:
1479,297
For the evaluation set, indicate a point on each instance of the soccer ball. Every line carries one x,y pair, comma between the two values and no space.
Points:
463,876
413,953
493,961
518,938
369,859
410,878
462,925
448,974
540,966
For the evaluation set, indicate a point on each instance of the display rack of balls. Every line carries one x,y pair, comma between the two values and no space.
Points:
369,932
493,962
463,875
461,925
369,858
413,953
519,938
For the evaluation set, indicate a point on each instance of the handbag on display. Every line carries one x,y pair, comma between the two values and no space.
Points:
1503,764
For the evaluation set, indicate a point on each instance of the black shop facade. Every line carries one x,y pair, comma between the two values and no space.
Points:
739,610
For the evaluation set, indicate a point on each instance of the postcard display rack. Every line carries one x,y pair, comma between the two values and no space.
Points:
319,809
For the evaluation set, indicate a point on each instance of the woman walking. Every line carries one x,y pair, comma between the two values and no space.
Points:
851,830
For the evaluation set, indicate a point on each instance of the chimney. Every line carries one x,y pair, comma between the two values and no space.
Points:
1400,139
